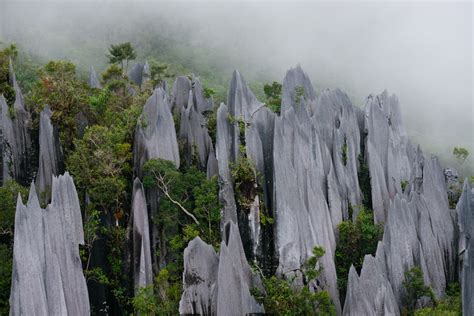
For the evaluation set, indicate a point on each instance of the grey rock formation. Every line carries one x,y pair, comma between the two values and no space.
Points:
387,151
202,104
419,232
180,97
94,81
199,279
47,276
335,119
15,124
194,135
371,293
219,286
295,82
155,135
139,73
224,157
245,128
302,216
49,154
142,268
465,211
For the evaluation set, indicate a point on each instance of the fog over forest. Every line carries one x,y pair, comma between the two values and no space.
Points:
421,51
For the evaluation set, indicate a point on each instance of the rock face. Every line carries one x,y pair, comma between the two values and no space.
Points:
419,232
50,154
47,271
465,210
302,216
142,268
371,293
218,285
388,151
155,135
197,145
94,81
297,89
15,149
139,73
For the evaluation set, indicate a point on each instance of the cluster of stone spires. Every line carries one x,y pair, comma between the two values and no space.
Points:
307,159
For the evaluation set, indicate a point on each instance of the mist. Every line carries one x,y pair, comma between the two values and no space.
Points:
421,51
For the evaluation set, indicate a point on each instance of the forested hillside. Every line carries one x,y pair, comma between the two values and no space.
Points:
155,190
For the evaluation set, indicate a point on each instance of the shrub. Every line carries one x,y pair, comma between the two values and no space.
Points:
281,298
415,288
356,239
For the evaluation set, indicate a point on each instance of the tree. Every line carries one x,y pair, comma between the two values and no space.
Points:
273,94
461,154
415,288
158,73
281,298
67,96
356,239
165,176
6,89
121,52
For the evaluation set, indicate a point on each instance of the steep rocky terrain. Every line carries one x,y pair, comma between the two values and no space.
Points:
306,166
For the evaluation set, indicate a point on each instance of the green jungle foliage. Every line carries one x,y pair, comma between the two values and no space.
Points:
356,239
282,298
415,288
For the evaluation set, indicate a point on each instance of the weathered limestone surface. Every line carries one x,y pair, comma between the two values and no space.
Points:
15,125
139,73
387,150
219,285
295,80
180,97
336,122
94,81
142,268
49,154
419,232
224,157
371,293
199,278
465,211
194,135
47,270
155,135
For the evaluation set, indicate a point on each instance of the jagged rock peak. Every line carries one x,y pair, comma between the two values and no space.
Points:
371,293
50,154
465,211
225,155
15,147
241,100
218,284
47,276
199,279
155,135
180,97
142,268
388,151
139,73
94,81
297,82
19,103
302,216
194,134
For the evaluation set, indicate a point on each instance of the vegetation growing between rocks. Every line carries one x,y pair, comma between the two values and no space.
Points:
273,94
282,298
356,239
